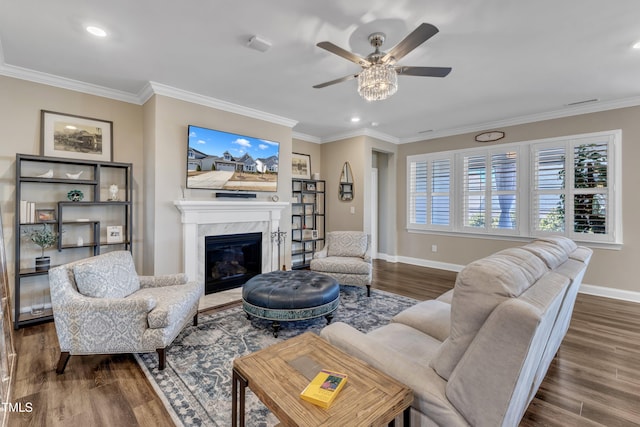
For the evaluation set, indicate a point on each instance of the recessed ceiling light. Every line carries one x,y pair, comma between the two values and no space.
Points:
96,31
355,119
637,45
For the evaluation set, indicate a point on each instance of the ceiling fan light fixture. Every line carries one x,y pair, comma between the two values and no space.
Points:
378,82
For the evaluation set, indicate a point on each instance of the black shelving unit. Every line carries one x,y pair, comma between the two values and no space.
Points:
47,190
307,220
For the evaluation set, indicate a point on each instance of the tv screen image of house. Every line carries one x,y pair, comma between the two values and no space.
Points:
219,160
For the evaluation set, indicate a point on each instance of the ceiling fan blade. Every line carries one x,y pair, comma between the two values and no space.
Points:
418,36
344,53
423,71
340,80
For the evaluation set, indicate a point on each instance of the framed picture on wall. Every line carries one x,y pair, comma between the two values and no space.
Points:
75,137
300,166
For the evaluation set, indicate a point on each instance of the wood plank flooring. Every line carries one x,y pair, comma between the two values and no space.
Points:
595,380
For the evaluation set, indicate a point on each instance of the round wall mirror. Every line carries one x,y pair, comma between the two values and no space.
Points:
346,183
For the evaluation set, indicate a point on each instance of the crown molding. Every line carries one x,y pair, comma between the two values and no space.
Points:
141,97
194,98
595,107
64,83
362,132
306,137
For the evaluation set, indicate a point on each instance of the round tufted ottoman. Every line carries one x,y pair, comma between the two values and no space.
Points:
290,295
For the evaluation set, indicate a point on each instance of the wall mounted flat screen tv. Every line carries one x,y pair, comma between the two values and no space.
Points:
219,160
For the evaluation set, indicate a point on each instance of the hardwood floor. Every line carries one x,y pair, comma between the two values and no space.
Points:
595,380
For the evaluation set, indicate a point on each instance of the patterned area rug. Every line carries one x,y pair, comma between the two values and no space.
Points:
196,383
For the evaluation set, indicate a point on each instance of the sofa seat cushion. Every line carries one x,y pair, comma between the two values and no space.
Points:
172,303
431,317
346,265
479,288
347,244
112,275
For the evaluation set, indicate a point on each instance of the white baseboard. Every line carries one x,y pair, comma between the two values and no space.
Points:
430,263
613,293
600,291
386,257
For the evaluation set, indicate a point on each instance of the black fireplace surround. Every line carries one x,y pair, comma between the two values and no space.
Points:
231,260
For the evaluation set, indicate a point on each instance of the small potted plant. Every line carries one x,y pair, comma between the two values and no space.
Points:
44,237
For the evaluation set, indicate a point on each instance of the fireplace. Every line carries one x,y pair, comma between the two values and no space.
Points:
231,260
216,218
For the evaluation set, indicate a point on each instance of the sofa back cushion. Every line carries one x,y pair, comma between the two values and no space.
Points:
480,287
347,243
111,275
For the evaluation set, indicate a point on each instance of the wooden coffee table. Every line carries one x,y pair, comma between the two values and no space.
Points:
278,374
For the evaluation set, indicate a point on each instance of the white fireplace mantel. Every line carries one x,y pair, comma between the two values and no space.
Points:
198,217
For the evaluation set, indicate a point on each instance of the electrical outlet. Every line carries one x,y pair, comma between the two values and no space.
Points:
434,248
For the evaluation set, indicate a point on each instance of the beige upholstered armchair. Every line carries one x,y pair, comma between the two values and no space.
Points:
101,306
346,258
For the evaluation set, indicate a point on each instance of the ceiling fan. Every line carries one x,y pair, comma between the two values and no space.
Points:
378,78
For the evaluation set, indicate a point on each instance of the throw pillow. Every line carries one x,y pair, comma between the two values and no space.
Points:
347,243
112,275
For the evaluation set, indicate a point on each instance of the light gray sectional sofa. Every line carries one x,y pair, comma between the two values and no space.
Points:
477,354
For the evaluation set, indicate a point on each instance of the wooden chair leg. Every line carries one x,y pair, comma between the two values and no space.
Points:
368,290
161,358
62,362
195,320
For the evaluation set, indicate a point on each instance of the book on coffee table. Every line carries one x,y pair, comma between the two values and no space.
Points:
324,388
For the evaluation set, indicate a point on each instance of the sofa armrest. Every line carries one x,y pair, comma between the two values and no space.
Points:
164,280
431,317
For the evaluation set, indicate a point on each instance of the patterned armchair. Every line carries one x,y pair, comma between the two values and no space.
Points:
346,258
101,306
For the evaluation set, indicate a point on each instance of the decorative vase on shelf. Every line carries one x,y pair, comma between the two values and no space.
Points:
37,305
113,193
75,195
43,263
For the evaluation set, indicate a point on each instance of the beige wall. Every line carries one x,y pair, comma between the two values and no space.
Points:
334,154
20,105
169,146
609,268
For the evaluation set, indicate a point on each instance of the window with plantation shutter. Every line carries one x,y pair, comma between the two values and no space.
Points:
490,191
564,186
571,188
429,192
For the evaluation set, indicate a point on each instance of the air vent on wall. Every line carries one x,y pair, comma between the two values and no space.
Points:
587,101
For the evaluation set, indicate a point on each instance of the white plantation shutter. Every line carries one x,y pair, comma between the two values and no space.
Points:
549,165
440,190
474,191
590,187
504,190
418,193
429,192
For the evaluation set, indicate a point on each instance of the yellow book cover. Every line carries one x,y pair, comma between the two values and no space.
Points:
322,390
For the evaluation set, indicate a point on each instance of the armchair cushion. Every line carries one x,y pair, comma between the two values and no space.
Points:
351,265
173,303
347,244
110,276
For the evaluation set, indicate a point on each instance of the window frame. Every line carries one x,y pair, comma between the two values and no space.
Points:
526,218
